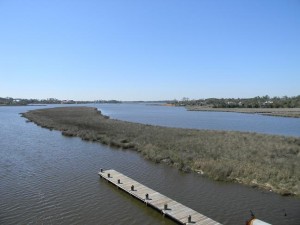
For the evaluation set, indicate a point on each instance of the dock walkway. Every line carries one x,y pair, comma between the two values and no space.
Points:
168,207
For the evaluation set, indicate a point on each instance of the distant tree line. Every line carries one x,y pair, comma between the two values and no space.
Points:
19,101
256,102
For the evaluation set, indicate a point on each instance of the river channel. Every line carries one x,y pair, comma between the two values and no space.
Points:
46,178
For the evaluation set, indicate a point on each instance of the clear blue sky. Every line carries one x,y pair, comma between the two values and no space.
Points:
149,50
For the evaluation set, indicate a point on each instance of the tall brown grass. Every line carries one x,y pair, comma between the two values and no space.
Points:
266,161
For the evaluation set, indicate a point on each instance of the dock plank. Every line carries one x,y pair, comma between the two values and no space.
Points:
175,210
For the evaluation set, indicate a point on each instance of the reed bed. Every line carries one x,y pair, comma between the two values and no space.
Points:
282,112
265,161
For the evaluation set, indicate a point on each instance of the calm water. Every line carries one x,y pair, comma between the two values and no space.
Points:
46,178
179,117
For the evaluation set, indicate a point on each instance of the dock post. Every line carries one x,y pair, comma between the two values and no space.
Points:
165,206
189,219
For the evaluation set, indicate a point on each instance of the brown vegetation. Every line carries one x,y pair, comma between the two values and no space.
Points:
284,112
266,161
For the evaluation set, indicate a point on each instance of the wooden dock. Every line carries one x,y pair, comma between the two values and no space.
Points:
168,207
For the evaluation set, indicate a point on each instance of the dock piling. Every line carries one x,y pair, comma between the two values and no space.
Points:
165,206
189,219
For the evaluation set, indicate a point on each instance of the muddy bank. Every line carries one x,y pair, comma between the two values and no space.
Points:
265,161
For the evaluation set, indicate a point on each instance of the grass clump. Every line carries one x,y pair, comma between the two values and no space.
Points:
258,160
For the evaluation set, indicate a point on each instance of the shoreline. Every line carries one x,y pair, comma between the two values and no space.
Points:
280,112
265,161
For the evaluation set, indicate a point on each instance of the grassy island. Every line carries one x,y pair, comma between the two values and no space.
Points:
264,105
265,161
283,112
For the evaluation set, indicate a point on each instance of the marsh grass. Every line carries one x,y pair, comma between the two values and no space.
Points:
259,160
282,112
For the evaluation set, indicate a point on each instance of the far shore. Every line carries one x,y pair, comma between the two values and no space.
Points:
264,161
283,112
